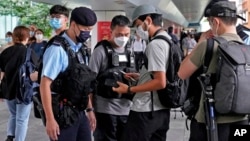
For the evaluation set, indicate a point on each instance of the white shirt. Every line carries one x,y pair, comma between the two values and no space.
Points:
138,45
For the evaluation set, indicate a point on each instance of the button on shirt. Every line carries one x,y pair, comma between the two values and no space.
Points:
55,58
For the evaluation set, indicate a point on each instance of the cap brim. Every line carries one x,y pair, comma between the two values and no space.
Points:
240,17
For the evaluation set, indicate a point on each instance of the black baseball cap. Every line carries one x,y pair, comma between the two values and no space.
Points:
222,9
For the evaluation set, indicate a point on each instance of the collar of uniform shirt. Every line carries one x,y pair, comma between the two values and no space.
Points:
75,47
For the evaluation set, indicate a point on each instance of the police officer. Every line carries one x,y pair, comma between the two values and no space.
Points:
108,60
56,61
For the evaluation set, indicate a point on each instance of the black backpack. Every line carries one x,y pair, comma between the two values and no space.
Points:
193,87
173,95
231,89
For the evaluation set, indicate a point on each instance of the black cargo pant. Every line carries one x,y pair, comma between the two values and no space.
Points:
109,127
138,60
147,126
198,130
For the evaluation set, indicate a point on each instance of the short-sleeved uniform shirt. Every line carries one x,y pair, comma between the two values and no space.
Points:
197,58
157,53
55,58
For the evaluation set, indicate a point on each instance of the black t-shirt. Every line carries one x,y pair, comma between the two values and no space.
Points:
11,60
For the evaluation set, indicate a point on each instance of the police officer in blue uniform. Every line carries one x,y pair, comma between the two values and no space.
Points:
56,61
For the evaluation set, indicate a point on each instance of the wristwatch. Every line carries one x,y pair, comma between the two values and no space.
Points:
89,109
129,90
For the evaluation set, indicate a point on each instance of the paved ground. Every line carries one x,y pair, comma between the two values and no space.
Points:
36,131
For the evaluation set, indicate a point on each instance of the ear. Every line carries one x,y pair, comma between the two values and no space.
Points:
216,21
148,20
66,20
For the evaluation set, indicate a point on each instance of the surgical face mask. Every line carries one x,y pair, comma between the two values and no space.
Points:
83,36
8,39
55,23
39,37
142,33
121,41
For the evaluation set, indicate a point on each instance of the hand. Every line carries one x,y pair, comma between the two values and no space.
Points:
1,100
34,76
123,88
134,76
206,35
92,120
52,129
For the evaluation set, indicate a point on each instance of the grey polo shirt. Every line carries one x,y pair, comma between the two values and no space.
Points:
157,53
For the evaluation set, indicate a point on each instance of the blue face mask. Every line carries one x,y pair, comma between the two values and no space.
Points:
55,23
8,39
83,36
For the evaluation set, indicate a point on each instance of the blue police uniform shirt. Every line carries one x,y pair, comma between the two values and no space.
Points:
55,58
247,40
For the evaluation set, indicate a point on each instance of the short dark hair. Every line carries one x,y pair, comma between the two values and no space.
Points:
170,29
8,33
39,30
59,9
20,33
119,20
156,18
228,20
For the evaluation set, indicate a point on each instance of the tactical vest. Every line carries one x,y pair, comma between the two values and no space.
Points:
75,83
117,64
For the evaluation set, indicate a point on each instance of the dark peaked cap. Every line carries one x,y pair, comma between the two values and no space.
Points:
84,16
223,9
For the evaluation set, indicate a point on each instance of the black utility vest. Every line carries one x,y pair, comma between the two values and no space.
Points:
117,64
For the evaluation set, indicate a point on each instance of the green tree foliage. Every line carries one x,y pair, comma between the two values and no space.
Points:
28,12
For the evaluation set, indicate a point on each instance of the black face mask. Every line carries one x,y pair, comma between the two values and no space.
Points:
83,36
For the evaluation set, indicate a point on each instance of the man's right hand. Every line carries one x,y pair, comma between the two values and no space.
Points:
52,129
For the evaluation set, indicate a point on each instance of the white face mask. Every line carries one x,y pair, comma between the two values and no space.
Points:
216,29
142,33
39,37
121,41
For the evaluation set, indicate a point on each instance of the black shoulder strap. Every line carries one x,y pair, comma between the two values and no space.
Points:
59,40
220,40
145,59
170,42
107,48
208,54
146,65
